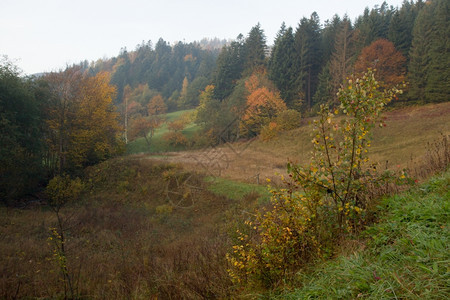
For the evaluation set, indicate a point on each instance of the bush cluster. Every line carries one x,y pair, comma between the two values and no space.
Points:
323,201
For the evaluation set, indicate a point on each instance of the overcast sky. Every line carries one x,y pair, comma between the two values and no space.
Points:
45,35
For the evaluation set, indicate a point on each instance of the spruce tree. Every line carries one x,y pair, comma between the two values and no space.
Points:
401,27
429,65
328,36
418,57
229,68
344,55
282,69
324,93
308,46
255,50
437,87
374,24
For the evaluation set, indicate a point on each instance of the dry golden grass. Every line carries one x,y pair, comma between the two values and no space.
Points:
140,232
408,132
405,138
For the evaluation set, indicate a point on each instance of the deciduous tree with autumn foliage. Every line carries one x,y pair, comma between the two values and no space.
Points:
96,132
263,104
175,135
382,56
83,126
156,106
145,126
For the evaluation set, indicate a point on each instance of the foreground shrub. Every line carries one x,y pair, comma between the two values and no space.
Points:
62,190
323,201
405,255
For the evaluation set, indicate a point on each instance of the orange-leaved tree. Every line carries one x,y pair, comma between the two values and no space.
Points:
264,103
175,135
156,106
145,127
134,109
382,56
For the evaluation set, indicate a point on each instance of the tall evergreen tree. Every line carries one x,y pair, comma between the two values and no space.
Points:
438,78
121,73
324,92
282,69
308,46
418,56
345,51
374,24
276,43
328,36
429,67
230,65
401,26
255,50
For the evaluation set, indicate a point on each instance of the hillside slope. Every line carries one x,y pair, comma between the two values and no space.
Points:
405,138
405,256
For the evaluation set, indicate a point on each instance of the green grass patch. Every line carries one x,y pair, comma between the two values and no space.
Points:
236,190
172,116
158,144
407,254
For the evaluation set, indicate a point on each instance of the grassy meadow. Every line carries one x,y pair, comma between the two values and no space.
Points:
159,226
158,144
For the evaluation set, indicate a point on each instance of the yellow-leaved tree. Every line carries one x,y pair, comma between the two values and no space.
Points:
324,201
82,124
63,88
96,132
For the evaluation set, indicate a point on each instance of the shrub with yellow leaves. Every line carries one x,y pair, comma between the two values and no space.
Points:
324,200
